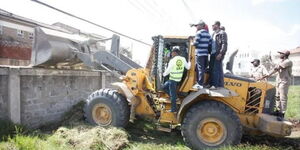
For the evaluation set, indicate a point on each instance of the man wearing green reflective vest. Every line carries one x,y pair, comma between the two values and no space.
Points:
175,70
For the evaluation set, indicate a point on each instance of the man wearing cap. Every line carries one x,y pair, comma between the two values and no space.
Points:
218,51
283,80
202,43
258,71
175,70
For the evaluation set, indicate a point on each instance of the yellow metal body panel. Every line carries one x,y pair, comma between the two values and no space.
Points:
144,108
139,84
240,87
175,37
168,117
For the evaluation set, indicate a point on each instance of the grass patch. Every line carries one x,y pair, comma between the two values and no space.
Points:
8,129
293,106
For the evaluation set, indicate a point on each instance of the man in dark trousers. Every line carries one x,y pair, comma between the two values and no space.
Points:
202,43
218,51
175,70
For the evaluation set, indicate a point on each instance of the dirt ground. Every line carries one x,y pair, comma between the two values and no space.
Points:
291,142
296,129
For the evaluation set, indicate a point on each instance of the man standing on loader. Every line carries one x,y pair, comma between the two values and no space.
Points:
219,48
283,81
175,69
202,43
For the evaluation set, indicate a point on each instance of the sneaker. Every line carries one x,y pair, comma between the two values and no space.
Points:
196,86
171,111
200,87
212,88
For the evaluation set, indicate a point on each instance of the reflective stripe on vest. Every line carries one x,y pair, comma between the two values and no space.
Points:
177,70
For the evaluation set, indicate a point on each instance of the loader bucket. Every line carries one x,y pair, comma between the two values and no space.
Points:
53,47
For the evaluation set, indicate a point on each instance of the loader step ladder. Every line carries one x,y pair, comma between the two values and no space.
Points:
168,101
164,129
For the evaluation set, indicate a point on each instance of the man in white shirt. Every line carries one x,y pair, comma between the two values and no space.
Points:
258,71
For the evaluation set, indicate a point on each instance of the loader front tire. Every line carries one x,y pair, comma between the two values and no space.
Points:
107,107
211,124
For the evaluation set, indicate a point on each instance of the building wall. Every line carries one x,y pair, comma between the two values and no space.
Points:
3,94
16,41
242,61
45,94
295,58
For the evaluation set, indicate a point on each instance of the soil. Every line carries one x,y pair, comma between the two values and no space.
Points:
291,142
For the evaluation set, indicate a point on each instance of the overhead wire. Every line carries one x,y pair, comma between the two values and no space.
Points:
189,10
90,22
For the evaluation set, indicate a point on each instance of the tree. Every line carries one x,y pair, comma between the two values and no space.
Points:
267,61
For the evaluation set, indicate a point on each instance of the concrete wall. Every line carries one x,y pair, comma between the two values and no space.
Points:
3,94
34,97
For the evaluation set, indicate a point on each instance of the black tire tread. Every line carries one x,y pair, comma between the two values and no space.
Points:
119,101
210,106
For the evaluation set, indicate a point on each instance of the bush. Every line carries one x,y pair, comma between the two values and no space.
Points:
9,129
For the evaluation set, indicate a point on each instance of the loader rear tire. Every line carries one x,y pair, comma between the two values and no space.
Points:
107,107
211,124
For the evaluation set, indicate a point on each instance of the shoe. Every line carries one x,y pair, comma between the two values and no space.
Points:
212,88
200,87
280,116
196,86
171,111
275,113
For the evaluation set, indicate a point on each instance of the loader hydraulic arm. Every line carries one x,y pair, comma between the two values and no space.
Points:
55,48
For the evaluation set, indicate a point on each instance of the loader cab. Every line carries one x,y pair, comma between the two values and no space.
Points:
162,55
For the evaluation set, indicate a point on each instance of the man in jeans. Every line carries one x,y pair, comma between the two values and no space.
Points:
219,48
202,43
175,70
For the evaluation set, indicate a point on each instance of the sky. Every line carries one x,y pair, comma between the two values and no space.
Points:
257,25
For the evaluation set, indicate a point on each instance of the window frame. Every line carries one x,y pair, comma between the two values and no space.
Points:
1,29
20,33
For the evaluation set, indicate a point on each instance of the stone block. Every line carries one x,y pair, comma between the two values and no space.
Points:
3,97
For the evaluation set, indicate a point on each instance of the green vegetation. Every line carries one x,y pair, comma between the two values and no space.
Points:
75,134
293,110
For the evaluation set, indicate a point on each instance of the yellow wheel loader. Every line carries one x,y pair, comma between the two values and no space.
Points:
207,118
